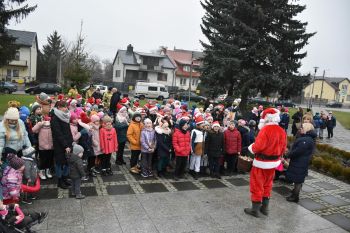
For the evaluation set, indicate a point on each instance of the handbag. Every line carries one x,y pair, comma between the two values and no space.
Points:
244,163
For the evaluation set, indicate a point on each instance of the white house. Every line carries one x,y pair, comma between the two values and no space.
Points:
23,67
130,66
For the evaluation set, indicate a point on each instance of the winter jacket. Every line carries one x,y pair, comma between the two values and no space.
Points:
108,140
181,143
317,121
14,142
300,156
122,128
197,142
97,95
214,144
331,122
11,183
86,142
148,140
134,135
107,98
45,136
284,122
244,135
75,132
76,168
62,138
232,141
95,132
163,142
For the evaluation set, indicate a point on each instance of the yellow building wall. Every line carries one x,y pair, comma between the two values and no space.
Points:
328,92
23,72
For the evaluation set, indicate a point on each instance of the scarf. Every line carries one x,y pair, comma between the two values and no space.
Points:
63,116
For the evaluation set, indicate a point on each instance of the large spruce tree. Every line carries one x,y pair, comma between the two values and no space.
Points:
10,9
252,45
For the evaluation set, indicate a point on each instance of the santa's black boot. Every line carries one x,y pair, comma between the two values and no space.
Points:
255,210
265,206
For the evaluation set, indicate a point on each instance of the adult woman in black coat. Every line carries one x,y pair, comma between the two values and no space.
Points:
300,156
62,141
163,146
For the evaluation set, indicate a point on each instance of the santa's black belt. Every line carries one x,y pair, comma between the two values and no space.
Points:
267,157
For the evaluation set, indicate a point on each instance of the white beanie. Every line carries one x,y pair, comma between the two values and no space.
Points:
11,114
77,149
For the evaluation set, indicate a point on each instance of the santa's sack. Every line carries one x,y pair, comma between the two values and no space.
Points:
244,164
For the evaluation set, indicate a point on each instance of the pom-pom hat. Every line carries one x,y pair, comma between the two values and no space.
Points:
215,123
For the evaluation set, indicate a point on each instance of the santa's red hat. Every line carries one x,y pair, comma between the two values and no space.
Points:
160,113
91,100
60,97
153,109
136,104
142,111
208,116
215,123
79,97
199,120
119,106
269,115
185,116
84,118
98,101
124,101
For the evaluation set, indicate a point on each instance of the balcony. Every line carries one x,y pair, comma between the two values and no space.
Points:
18,63
151,68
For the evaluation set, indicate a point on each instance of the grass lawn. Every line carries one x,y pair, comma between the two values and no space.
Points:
23,99
343,118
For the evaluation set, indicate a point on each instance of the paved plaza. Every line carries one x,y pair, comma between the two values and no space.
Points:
128,203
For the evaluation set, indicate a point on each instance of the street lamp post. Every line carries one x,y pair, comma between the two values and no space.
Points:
312,90
189,86
324,72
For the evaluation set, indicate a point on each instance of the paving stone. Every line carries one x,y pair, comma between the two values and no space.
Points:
334,201
88,191
119,189
346,195
238,181
282,190
139,177
154,188
213,184
48,194
326,185
182,186
309,177
115,167
308,189
114,178
309,204
339,220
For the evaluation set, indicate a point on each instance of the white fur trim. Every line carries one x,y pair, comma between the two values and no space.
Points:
266,164
250,148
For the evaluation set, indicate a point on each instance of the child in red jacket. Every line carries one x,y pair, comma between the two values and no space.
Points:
109,145
233,147
182,148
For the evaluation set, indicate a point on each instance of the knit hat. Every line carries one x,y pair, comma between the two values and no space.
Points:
94,118
35,107
77,149
29,152
15,162
147,120
13,103
107,119
100,115
182,123
252,123
215,123
43,98
136,114
73,116
11,114
24,113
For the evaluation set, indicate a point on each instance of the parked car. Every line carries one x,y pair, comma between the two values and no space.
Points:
183,96
260,102
102,88
285,103
7,87
48,88
151,90
334,104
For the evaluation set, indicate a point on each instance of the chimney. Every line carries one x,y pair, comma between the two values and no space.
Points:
130,49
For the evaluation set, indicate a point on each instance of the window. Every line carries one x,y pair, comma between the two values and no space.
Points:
187,68
17,56
162,77
117,73
9,73
152,89
344,87
197,81
150,61
162,89
15,73
183,81
193,82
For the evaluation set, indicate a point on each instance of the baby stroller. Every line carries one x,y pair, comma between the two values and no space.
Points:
16,220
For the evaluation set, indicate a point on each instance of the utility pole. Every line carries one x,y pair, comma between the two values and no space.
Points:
324,72
312,90
189,86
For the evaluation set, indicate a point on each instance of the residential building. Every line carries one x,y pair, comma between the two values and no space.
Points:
328,89
23,68
183,60
130,66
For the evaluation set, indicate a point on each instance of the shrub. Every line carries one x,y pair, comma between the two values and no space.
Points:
336,169
317,162
326,165
346,173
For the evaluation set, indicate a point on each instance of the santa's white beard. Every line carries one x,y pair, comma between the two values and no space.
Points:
261,125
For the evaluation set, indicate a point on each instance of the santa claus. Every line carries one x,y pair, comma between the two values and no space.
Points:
269,145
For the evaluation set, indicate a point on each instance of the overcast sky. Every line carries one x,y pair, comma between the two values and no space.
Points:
110,25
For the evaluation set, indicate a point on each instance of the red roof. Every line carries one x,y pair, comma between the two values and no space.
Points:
181,58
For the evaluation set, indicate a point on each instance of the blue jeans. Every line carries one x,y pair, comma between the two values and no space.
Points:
61,170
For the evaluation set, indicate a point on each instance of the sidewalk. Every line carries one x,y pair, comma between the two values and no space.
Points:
128,203
341,135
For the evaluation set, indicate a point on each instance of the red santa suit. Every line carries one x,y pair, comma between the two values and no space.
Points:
270,144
